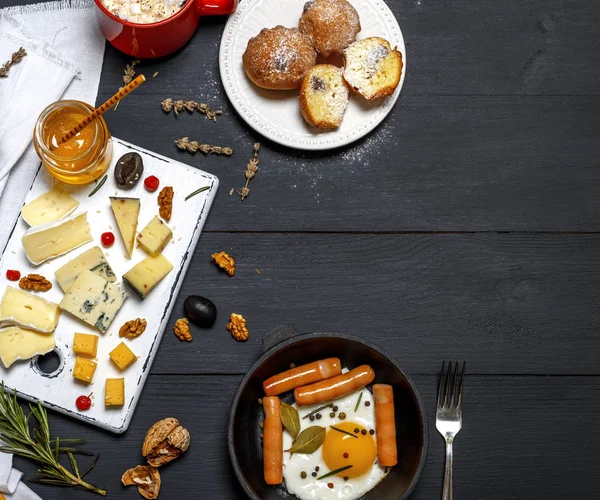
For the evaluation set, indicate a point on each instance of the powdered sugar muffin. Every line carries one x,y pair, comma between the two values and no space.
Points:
278,58
372,68
331,25
324,96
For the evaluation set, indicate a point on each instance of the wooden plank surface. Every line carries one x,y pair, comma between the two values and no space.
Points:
497,131
509,303
523,437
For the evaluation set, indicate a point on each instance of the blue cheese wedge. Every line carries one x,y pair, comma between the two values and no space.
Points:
126,212
154,237
93,300
90,260
49,207
46,242
143,277
17,343
28,311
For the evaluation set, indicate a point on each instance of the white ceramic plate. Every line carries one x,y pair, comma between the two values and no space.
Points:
58,390
276,114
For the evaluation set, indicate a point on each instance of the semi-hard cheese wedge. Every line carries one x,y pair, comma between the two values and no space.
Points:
28,311
143,277
126,211
93,300
46,242
49,207
90,260
154,237
17,343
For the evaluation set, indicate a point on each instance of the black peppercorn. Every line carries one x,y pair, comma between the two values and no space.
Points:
314,474
318,416
357,430
367,403
312,418
303,475
371,432
364,432
332,415
335,408
342,416
317,468
346,478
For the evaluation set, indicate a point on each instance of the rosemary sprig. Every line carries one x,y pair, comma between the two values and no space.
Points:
98,186
40,448
328,405
15,59
334,472
343,431
358,402
198,191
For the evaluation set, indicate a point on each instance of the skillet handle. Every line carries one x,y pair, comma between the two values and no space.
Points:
278,335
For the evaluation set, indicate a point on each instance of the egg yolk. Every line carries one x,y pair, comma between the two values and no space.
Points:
357,450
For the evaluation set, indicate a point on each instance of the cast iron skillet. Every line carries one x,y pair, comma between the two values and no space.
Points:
284,346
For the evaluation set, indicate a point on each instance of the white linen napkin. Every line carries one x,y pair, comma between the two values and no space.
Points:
11,486
67,33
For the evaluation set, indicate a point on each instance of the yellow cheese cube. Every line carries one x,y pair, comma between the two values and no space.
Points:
84,369
85,344
114,393
122,356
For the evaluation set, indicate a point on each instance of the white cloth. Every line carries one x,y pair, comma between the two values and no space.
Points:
11,486
65,52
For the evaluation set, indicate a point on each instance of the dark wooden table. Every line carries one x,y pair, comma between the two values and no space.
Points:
467,225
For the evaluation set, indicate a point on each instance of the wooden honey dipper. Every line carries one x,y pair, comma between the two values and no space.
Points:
101,110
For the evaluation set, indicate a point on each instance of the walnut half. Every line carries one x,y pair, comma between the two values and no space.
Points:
165,441
146,478
165,203
35,282
237,327
133,328
181,329
225,262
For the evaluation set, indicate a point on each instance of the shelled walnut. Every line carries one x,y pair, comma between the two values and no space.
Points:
181,329
35,282
146,478
165,203
225,262
133,328
165,441
237,327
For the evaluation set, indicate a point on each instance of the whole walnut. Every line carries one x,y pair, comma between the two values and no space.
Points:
165,441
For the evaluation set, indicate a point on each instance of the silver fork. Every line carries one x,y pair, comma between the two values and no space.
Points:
448,420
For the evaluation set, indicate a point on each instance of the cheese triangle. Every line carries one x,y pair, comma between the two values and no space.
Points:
126,211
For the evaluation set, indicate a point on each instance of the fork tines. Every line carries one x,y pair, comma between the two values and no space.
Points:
451,385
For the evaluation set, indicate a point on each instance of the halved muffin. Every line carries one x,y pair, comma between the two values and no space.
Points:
372,68
324,96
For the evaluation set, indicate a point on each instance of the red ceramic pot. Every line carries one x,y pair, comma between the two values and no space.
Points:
164,37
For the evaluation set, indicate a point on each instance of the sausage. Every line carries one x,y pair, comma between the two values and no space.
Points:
385,424
302,375
335,387
272,441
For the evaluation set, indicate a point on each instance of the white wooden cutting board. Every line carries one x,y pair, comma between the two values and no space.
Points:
59,390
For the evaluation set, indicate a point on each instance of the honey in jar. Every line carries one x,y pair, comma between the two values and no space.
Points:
81,159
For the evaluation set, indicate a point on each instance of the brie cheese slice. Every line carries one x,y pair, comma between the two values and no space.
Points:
49,207
28,311
17,343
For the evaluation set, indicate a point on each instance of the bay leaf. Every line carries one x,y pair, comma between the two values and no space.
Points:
290,419
309,440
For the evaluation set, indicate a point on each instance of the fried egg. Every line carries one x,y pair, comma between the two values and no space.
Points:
352,443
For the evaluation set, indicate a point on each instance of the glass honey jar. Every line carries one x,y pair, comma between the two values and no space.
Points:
83,158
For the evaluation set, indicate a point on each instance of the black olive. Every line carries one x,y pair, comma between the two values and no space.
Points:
200,310
128,170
